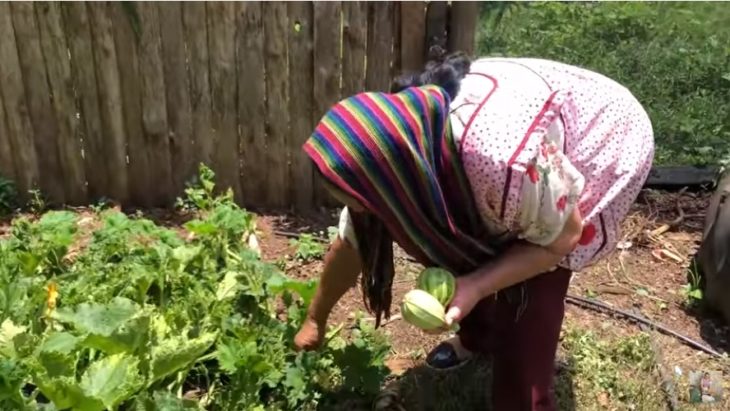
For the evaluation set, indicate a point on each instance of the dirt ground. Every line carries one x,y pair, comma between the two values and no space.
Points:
646,275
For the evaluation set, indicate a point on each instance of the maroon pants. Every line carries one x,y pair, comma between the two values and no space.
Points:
522,340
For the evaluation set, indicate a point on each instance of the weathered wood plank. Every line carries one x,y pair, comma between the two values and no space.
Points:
78,35
437,17
355,38
413,35
55,53
301,72
380,46
126,40
462,26
251,102
154,104
222,52
277,90
6,150
396,64
17,138
177,92
110,101
327,70
195,24
42,116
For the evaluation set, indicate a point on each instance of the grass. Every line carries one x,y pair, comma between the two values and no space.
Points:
673,56
608,370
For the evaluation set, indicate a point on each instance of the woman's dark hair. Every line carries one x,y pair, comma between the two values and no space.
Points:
374,240
443,70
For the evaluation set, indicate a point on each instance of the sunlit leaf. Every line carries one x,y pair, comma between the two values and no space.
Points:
8,331
112,380
177,353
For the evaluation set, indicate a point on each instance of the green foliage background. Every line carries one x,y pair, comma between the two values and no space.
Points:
674,56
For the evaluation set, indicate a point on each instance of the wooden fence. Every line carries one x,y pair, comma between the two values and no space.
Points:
124,99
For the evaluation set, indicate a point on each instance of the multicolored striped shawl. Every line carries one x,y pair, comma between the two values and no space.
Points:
395,154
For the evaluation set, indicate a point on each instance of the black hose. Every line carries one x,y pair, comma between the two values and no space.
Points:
598,305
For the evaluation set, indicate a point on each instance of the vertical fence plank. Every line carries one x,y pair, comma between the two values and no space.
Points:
6,151
111,102
154,104
78,34
380,46
413,35
396,67
125,17
301,72
354,41
55,53
195,24
436,25
327,70
251,101
43,119
222,52
277,115
20,131
177,92
462,26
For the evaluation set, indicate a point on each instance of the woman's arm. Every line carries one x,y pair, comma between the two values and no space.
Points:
341,268
523,260
519,263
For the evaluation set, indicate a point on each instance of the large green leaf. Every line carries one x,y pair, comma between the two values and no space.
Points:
112,380
65,393
56,354
119,326
228,287
185,253
99,319
8,332
60,342
200,227
56,364
279,283
12,378
128,337
176,353
164,401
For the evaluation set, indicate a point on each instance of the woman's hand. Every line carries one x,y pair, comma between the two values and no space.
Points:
468,293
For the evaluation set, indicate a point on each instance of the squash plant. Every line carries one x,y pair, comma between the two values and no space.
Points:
138,317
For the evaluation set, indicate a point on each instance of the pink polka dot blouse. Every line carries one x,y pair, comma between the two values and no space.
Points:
539,138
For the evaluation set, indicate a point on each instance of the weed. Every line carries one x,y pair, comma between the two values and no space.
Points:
200,192
307,248
693,289
37,202
617,371
8,196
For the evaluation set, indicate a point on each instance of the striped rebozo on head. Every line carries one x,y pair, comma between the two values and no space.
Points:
395,155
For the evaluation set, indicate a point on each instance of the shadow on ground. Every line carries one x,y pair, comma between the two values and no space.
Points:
466,389
714,329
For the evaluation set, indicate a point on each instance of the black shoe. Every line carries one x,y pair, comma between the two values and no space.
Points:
444,357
